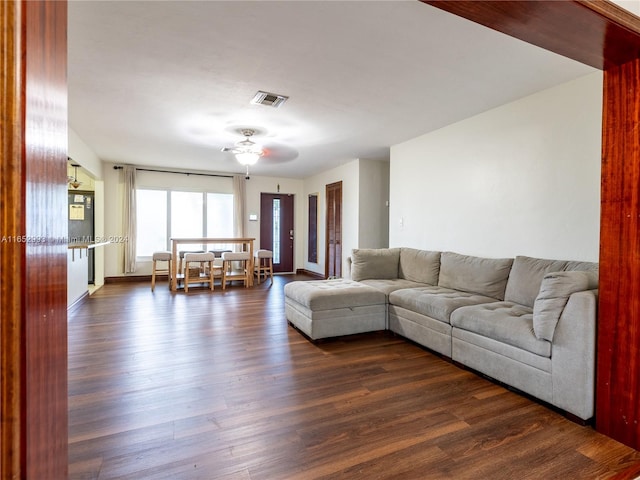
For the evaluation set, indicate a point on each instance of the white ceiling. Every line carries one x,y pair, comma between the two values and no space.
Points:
167,84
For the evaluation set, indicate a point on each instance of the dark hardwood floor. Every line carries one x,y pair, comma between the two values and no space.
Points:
218,386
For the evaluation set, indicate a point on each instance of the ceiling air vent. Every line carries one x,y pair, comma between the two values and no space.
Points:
269,99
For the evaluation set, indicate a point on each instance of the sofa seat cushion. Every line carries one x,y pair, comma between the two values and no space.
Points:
391,285
333,294
435,302
505,322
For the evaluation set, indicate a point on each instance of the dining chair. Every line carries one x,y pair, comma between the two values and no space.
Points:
263,264
181,255
160,257
202,273
243,259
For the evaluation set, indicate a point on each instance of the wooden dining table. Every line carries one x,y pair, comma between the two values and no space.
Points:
247,246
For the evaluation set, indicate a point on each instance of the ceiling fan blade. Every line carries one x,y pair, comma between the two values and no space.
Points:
278,153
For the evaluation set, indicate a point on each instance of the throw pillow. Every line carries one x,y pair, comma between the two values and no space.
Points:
555,290
526,277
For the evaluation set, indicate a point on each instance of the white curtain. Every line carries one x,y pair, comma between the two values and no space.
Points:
239,194
129,219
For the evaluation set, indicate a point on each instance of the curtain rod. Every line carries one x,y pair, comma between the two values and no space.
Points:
119,167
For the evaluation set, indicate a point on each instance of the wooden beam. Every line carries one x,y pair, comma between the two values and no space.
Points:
596,33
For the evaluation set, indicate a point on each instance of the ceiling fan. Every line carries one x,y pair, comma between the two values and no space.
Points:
247,152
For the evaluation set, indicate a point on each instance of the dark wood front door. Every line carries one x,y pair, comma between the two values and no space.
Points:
276,229
333,257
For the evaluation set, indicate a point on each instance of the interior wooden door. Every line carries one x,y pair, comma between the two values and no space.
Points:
276,229
333,257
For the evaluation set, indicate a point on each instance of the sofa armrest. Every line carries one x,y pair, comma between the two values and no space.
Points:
573,353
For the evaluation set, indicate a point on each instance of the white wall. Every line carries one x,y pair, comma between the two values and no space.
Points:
350,176
632,5
522,179
82,154
373,231
179,181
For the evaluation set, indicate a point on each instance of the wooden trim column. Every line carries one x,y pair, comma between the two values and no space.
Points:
33,231
11,225
618,372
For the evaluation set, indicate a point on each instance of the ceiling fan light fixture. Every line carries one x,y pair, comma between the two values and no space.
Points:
73,181
247,158
246,151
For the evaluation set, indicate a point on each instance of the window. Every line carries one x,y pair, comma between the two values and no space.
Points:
219,215
276,231
186,214
151,222
162,214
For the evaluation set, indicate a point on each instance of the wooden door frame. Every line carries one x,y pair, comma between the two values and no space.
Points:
613,38
326,237
33,258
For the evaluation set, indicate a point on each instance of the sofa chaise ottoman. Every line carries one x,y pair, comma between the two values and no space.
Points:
330,308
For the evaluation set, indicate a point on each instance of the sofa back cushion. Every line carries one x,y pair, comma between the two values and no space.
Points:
592,269
555,289
485,276
526,276
419,265
378,263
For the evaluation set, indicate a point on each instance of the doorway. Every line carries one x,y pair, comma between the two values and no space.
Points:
81,223
276,229
333,257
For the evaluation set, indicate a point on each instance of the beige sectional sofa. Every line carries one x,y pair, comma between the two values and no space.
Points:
527,322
